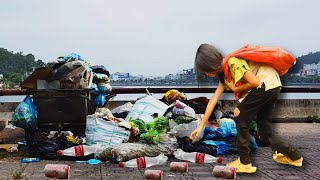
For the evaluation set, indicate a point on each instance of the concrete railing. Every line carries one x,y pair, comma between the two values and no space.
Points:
287,110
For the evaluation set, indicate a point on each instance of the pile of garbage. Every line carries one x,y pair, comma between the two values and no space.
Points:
71,72
147,128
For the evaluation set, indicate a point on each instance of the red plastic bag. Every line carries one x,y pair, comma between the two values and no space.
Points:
275,57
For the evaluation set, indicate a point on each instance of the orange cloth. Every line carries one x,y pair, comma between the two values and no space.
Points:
275,57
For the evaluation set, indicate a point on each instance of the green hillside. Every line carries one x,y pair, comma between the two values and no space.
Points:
14,66
305,59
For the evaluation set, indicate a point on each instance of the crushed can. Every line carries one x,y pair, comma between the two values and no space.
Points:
179,166
153,174
58,171
226,172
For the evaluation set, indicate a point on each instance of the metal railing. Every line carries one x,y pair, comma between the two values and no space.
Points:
285,89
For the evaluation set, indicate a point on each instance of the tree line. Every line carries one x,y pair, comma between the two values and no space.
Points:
15,66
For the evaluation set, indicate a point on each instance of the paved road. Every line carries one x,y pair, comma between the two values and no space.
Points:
304,136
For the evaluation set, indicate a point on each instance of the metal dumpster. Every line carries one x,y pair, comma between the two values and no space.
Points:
61,110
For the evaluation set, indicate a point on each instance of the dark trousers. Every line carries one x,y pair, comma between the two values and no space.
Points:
258,105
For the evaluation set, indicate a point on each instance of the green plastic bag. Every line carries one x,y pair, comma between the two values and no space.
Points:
159,124
151,137
139,124
25,115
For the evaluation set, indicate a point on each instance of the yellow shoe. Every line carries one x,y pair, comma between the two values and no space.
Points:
234,163
242,168
276,154
280,158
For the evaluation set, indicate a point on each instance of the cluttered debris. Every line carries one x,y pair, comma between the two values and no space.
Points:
138,135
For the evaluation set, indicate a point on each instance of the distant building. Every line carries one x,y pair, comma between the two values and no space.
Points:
311,69
158,78
149,77
186,74
139,77
169,77
119,76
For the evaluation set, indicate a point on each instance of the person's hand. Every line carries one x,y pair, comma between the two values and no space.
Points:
230,84
196,132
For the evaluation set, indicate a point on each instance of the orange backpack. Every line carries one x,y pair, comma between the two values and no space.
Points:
275,57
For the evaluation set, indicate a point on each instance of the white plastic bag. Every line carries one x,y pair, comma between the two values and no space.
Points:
183,110
123,108
145,107
183,130
99,131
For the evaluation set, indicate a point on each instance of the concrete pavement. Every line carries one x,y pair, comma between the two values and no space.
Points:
305,136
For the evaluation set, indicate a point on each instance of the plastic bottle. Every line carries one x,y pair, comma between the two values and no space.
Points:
81,150
196,157
144,162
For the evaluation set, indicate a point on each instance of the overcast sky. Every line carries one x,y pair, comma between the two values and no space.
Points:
151,37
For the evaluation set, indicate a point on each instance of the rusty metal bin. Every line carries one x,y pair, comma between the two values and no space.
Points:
61,110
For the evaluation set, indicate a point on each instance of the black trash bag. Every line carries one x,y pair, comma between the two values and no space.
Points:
44,149
48,150
60,71
186,145
121,115
100,69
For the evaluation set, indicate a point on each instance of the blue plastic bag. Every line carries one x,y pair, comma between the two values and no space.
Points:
72,56
222,147
25,115
227,129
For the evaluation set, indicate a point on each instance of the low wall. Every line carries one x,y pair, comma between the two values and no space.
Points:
287,110
296,110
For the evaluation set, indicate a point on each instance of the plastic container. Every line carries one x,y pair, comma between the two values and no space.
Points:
58,171
226,172
153,174
179,166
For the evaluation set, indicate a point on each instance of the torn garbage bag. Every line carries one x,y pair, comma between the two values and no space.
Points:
145,108
128,151
99,131
187,145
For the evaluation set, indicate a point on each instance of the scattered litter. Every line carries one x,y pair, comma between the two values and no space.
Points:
59,171
28,160
226,172
153,174
10,126
179,166
90,161
9,147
